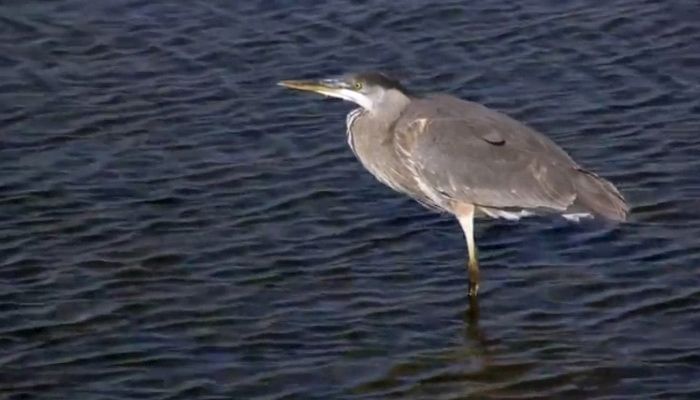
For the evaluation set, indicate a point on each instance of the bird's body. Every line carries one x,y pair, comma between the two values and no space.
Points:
451,150
463,158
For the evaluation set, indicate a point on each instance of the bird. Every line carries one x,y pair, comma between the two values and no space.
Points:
464,158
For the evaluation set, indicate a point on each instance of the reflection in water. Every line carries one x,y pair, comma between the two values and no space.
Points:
472,312
471,323
464,366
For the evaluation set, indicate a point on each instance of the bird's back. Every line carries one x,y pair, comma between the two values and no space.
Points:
463,151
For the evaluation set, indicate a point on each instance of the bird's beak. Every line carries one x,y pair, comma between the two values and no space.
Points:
328,87
331,87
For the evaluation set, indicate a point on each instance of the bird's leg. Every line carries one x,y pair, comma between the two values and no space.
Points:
465,215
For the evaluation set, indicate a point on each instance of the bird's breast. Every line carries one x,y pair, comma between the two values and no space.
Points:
349,121
375,147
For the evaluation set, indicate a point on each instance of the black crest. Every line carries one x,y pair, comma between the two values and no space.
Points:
380,79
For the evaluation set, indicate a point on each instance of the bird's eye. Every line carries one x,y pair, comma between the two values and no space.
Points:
358,85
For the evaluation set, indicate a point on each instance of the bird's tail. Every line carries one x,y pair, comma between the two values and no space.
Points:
598,196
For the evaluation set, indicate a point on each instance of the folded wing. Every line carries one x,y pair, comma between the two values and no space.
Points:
466,152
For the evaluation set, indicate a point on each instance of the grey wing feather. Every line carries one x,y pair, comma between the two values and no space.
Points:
467,152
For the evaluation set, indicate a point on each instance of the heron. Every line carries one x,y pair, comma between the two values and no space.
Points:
463,158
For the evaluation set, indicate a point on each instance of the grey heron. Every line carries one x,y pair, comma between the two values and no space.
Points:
461,157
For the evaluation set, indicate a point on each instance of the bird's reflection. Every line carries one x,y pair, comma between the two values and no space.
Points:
472,313
473,331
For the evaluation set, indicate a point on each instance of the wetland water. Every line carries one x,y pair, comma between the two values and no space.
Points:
176,226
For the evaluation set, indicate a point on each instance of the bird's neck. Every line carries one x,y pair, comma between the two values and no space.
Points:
389,107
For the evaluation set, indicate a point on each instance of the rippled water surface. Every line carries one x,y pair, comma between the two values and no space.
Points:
175,226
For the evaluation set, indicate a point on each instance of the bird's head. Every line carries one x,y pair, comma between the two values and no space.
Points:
367,89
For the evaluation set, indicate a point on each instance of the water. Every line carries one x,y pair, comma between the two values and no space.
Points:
175,226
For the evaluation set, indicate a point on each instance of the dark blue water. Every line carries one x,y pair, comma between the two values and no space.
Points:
175,226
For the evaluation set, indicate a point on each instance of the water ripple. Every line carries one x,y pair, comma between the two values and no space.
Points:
176,226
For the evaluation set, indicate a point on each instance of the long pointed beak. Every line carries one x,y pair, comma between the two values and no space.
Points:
338,88
328,87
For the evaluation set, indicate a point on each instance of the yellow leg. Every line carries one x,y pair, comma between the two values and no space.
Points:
465,216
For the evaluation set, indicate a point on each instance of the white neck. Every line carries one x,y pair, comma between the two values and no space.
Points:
384,99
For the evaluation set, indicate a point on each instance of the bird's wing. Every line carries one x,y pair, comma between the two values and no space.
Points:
469,153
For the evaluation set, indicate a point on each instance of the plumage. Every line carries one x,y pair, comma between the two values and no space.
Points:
461,157
464,151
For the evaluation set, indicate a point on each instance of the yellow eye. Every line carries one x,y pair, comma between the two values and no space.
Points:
358,85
